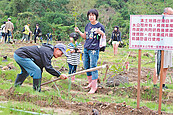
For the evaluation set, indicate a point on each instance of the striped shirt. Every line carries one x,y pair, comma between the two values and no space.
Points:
74,58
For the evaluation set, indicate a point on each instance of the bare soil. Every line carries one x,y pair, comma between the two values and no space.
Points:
93,107
79,107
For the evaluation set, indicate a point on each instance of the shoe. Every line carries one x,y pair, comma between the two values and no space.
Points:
89,82
93,86
37,85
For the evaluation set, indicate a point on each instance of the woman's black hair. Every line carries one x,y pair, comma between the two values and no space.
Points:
117,29
4,22
93,11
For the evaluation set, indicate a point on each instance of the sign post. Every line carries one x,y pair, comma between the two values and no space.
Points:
161,82
139,78
151,32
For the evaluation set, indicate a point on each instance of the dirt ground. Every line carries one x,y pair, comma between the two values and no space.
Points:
88,108
94,107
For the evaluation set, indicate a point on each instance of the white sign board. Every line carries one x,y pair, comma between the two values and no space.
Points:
153,32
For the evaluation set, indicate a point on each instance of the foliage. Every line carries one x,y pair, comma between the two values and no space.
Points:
70,13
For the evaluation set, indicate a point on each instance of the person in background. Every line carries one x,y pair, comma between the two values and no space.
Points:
49,37
3,31
26,33
73,58
167,59
116,39
9,27
93,32
32,60
37,33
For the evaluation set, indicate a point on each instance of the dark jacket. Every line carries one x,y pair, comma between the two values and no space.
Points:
37,31
116,36
41,56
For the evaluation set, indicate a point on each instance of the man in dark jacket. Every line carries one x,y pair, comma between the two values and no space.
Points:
32,59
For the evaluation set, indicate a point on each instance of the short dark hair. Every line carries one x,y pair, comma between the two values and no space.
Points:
74,35
117,29
93,11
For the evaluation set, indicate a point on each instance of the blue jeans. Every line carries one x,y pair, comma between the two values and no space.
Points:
72,68
90,61
49,39
28,67
25,37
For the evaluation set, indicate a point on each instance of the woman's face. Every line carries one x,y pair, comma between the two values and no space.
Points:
115,29
92,17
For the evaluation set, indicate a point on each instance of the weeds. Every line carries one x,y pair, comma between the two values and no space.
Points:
148,78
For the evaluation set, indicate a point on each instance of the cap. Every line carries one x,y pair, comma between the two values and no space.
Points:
9,18
62,47
74,35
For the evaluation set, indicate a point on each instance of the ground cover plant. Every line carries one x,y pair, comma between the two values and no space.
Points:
66,97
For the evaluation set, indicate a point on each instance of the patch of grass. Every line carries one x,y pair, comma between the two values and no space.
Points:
13,107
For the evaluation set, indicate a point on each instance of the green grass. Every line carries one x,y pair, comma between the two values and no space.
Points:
8,77
12,107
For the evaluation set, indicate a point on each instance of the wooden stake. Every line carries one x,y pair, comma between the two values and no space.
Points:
161,78
139,78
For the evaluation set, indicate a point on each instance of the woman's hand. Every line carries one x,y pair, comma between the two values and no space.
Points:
83,35
99,31
76,29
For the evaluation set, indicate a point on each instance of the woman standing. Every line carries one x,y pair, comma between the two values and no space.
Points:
115,38
93,32
37,33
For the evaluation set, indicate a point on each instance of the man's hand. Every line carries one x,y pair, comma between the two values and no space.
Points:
63,76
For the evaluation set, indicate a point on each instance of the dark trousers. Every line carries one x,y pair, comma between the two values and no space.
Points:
72,68
9,36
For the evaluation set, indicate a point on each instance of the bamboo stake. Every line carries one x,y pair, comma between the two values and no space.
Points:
77,73
139,78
